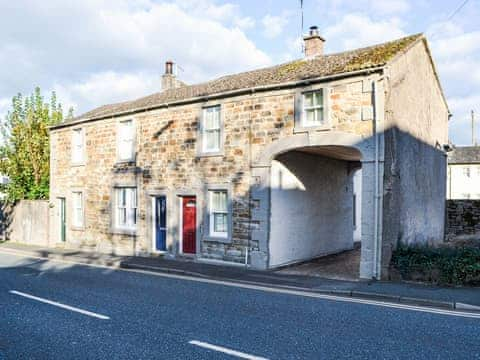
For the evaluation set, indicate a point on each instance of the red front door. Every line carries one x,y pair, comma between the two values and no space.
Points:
189,227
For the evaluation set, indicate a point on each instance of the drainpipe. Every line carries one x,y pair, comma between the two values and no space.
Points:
378,114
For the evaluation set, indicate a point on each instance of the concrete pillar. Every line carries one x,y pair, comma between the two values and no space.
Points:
367,260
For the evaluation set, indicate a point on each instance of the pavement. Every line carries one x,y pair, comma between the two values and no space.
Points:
53,309
461,298
340,266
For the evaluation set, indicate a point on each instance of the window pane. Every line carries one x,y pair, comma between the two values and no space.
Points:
126,138
318,98
308,100
123,216
211,119
212,140
133,197
310,116
77,145
219,201
319,116
220,222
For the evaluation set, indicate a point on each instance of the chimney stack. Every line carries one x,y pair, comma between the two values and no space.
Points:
313,43
169,80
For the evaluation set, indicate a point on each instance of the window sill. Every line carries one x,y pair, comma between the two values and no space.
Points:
120,231
218,239
210,154
125,162
306,129
77,228
77,164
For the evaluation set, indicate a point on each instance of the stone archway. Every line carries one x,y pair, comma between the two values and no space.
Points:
348,147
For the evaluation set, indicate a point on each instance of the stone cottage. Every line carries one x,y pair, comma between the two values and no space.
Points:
257,168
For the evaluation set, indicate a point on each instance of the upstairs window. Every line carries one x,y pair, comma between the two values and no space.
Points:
78,146
466,171
211,129
313,108
218,213
126,208
77,200
126,141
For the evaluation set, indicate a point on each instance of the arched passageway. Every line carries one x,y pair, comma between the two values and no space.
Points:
312,203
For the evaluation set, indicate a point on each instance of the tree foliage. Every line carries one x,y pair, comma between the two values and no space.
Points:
26,145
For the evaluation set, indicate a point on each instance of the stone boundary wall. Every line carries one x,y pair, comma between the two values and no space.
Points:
26,222
463,218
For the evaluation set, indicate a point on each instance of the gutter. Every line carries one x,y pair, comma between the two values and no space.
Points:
286,85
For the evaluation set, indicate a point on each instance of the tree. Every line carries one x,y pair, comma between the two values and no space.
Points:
25,153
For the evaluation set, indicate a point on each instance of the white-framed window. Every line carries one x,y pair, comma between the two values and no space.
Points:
211,129
218,213
126,208
77,205
466,171
313,108
78,146
126,140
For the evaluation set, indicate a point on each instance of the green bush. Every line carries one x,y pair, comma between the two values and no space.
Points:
441,265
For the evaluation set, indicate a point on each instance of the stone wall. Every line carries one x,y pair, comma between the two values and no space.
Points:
463,218
167,162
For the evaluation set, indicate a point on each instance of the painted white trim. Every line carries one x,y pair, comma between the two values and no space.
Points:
154,227
60,305
225,350
180,228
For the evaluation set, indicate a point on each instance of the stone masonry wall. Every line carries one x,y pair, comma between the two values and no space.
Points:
167,161
463,218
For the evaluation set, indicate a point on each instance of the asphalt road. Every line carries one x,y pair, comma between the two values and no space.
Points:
128,315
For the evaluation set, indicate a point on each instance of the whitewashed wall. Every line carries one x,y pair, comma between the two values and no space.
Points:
311,208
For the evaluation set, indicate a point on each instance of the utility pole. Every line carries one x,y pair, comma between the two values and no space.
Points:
474,136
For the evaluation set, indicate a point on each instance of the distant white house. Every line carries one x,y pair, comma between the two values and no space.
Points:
464,173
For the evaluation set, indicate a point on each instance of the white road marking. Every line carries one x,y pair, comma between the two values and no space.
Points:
226,351
265,288
63,306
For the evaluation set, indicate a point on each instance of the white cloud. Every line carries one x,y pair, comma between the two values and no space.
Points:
458,45
356,30
245,23
118,47
273,26
335,8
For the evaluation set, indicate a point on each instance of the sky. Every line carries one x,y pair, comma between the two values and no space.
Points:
95,52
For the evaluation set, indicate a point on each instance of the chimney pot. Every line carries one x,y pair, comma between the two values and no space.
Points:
313,43
313,30
169,67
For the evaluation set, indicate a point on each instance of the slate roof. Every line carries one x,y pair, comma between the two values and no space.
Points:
464,155
303,69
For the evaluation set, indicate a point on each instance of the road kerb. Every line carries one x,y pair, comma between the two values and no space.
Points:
469,307
341,293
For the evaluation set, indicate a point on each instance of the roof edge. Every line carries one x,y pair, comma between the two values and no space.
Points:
237,92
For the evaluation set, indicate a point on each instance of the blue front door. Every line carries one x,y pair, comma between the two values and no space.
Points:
161,223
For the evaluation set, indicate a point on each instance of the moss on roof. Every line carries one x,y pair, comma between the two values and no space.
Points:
310,68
